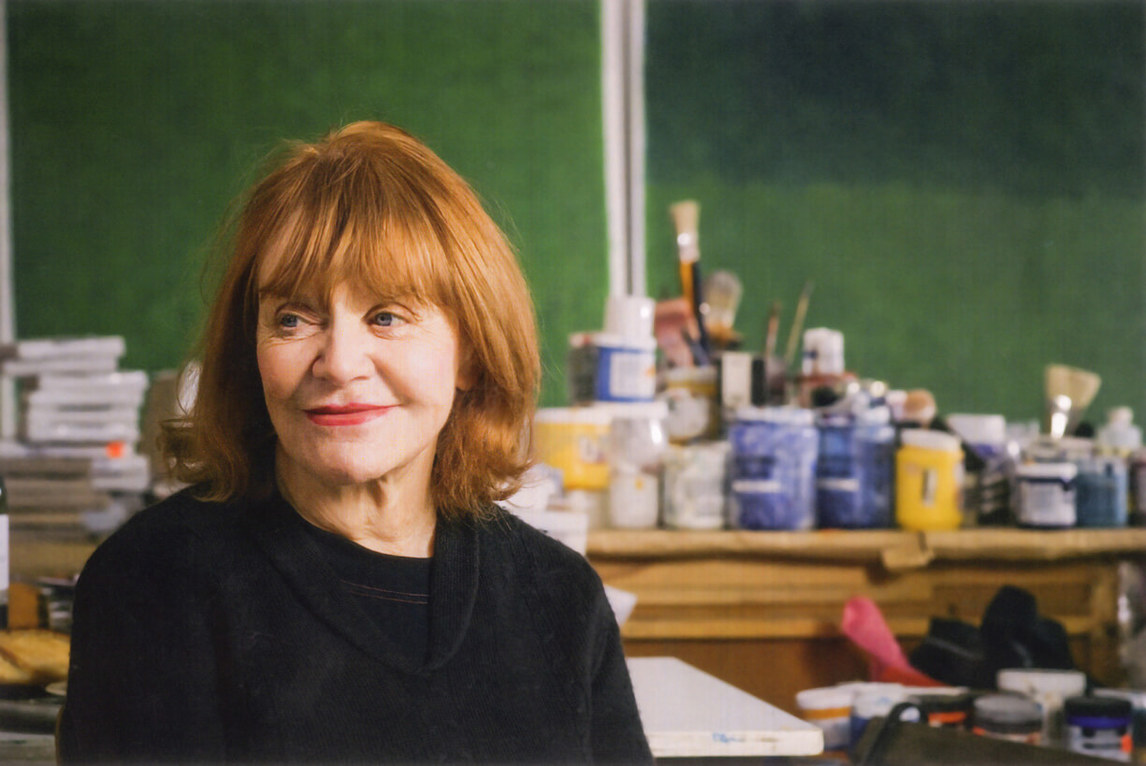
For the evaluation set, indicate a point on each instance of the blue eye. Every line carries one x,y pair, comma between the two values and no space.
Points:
386,319
289,321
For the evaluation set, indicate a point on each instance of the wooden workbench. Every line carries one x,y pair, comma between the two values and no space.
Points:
762,610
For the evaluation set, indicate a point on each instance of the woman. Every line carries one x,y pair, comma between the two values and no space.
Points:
337,584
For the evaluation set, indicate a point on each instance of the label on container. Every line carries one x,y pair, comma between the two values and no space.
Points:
757,486
1112,744
1046,503
838,484
626,375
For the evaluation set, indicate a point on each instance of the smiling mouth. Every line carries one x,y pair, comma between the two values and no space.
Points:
345,415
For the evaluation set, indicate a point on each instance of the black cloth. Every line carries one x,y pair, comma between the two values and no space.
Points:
394,590
208,633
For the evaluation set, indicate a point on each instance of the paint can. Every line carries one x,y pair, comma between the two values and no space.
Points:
1046,495
694,478
928,480
602,367
1100,726
1101,492
636,448
773,468
855,469
829,708
573,440
1010,717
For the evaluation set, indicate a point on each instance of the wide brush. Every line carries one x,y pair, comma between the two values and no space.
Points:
1078,386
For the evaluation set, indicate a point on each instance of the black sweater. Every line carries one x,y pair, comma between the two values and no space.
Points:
218,633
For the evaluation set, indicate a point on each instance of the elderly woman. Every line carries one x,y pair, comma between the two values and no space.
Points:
337,584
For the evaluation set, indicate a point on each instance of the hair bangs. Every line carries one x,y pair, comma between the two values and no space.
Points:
389,247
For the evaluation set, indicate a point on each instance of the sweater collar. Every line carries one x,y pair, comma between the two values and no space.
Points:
453,584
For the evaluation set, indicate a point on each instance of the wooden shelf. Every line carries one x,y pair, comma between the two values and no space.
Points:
763,609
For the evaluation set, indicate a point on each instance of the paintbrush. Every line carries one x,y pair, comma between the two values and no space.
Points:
722,291
686,219
797,325
773,330
1078,386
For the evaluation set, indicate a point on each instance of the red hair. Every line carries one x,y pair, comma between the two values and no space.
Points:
370,205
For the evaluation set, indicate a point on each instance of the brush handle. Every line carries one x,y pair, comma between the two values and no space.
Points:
697,304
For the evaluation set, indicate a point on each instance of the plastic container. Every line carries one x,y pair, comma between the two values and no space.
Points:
987,485
928,481
602,367
573,440
773,468
829,708
855,469
694,485
636,447
1119,436
1100,726
1046,495
1007,716
877,701
1102,492
1046,687
1137,699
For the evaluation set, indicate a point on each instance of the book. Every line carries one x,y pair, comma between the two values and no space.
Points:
27,368
59,346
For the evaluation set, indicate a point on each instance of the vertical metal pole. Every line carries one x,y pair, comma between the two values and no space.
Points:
7,306
613,65
635,98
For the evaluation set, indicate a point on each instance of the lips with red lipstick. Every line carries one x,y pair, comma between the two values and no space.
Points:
345,414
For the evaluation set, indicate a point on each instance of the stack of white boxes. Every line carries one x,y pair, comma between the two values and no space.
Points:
73,467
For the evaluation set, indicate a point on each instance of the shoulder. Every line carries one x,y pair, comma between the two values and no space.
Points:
547,573
508,535
165,537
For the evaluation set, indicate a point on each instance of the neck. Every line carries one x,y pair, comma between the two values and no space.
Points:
386,515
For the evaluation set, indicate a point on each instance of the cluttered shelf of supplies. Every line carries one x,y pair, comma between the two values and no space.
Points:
763,610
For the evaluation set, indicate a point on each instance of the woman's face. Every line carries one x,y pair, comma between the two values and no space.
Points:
356,390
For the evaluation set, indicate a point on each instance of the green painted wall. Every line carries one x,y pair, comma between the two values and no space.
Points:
136,123
962,181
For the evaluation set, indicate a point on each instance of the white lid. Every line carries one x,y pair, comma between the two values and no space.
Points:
1047,471
825,698
593,415
925,438
791,416
979,429
1039,680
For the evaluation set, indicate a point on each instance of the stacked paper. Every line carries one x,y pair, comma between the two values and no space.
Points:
75,463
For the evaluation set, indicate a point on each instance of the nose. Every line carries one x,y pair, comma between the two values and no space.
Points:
344,355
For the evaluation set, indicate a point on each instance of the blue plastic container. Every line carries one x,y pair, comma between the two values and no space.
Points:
773,468
1101,492
855,470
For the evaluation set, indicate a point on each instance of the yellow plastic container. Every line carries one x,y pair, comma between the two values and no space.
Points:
928,481
574,439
